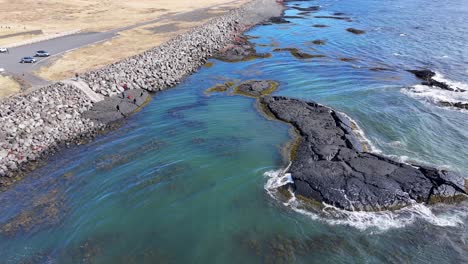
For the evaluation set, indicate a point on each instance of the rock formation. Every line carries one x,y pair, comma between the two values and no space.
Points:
329,164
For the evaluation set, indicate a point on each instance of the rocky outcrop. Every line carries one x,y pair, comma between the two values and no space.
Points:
452,96
428,79
256,88
355,31
118,107
330,166
240,50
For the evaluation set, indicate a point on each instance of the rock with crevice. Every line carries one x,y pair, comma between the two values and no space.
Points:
329,165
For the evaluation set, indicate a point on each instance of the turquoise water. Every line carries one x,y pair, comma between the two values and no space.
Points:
184,181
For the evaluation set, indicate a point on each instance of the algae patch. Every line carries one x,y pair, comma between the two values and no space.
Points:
220,88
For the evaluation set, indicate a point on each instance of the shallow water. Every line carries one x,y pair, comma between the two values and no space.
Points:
186,179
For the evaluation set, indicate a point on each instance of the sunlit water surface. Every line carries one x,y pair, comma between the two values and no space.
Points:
185,180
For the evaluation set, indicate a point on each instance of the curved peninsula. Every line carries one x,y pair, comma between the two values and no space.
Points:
330,166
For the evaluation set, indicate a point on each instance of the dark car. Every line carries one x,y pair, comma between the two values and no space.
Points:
42,53
28,60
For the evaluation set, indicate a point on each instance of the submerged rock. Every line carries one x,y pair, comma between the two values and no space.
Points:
300,54
256,88
330,166
320,26
319,42
276,20
356,31
240,50
336,17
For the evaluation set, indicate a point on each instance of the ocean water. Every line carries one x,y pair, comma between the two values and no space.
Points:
189,178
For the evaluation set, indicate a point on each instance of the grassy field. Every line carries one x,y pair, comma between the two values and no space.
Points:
8,86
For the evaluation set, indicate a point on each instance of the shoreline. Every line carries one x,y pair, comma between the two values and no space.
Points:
38,124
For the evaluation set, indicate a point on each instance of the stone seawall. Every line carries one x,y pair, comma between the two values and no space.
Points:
34,125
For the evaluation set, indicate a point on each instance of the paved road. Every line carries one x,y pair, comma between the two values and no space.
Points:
56,47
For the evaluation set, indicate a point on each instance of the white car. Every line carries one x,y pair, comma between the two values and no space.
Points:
3,50
42,53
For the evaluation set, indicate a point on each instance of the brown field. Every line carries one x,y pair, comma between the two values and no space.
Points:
52,16
8,86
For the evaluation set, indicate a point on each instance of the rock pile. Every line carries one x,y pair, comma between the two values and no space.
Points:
35,124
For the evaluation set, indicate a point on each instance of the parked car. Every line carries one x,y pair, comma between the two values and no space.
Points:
3,50
42,53
28,60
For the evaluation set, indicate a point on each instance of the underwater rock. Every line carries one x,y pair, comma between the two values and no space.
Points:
220,88
356,31
240,50
320,26
330,165
306,9
319,42
336,17
256,88
299,54
276,20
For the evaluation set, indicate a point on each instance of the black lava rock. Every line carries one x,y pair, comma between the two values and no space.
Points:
330,165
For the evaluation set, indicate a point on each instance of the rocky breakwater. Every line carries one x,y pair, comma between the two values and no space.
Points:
167,64
36,124
329,165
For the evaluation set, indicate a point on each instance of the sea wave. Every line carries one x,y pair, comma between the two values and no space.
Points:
442,215
439,96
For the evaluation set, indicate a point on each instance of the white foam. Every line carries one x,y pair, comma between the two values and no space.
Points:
361,135
453,84
436,95
376,221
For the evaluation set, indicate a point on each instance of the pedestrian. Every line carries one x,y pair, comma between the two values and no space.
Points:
76,76
141,94
134,101
125,87
118,108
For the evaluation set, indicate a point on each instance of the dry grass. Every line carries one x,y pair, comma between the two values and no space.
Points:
127,44
52,16
8,86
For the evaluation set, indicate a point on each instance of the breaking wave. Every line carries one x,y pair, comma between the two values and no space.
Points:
441,215
438,96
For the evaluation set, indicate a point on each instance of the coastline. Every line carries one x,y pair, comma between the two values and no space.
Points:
38,124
